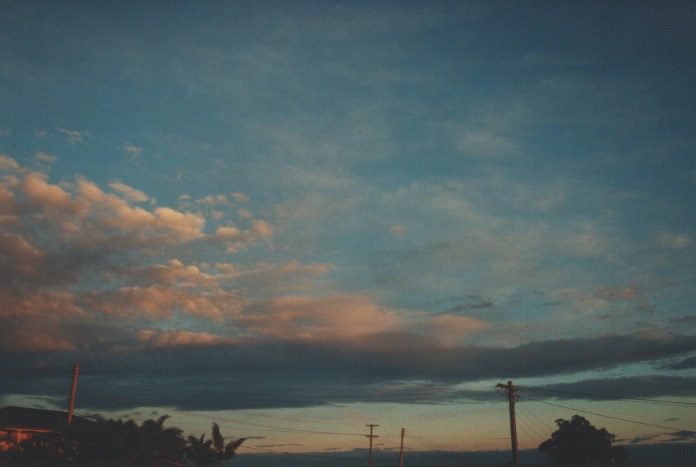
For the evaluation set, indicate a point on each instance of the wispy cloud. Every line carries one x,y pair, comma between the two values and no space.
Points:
72,136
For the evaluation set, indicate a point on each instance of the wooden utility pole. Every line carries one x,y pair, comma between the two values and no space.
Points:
513,424
73,389
372,426
401,451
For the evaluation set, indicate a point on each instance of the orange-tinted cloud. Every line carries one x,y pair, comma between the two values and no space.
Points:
613,293
348,317
172,338
324,318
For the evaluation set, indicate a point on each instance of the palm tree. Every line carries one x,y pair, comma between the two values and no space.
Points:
206,453
159,446
112,443
224,451
199,451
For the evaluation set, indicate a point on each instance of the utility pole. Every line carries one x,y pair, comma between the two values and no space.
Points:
513,424
76,371
401,451
372,426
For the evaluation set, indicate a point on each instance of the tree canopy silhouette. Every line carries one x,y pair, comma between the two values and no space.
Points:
205,453
577,443
224,451
124,443
119,443
102,443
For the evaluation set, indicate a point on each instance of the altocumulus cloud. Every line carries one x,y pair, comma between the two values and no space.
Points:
73,252
152,297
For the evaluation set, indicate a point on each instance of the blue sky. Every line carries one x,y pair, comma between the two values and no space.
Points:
298,218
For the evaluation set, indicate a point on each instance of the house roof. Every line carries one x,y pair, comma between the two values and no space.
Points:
38,419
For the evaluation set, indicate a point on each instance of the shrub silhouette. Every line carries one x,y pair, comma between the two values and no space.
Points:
577,443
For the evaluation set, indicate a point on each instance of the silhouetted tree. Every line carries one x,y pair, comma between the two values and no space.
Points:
158,445
577,443
205,453
224,451
104,443
200,451
117,443
44,449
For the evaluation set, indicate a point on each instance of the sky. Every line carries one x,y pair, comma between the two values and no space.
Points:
295,219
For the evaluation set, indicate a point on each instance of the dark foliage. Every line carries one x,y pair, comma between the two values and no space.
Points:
206,453
577,443
105,443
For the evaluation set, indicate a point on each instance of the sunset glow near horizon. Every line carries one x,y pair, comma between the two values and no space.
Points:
297,218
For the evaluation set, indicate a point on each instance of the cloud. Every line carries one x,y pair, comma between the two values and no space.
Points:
130,193
353,318
44,158
172,338
116,214
449,326
256,319
236,239
229,233
262,228
628,387
133,152
682,436
397,230
681,364
244,213
233,238
36,339
240,197
486,143
675,241
162,301
213,200
72,136
346,366
55,231
188,225
45,195
163,290
26,259
9,164
50,320
323,261
39,324
609,293
469,302
294,267
72,253
320,319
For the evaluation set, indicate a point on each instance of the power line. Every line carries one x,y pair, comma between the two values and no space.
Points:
267,427
455,437
538,437
604,396
541,424
264,426
611,417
